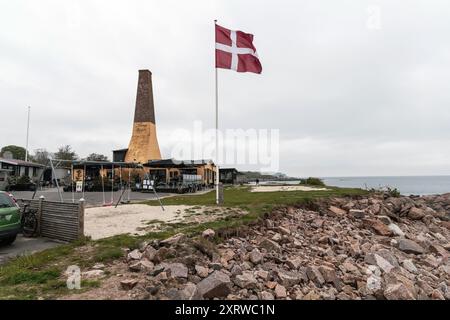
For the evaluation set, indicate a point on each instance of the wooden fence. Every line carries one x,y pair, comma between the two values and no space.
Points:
59,220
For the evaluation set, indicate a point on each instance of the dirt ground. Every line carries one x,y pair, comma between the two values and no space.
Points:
138,219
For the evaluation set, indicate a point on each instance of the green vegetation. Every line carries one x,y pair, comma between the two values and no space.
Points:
391,192
16,151
311,181
257,202
66,153
42,274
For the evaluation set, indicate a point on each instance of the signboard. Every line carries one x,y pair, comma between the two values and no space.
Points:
147,184
78,175
79,186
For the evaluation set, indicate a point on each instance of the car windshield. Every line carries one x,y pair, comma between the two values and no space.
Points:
6,201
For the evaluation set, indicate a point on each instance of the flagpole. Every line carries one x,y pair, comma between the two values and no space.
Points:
217,121
28,133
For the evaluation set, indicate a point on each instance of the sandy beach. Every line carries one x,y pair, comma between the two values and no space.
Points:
138,219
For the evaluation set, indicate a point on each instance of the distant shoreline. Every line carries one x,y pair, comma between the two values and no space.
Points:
407,185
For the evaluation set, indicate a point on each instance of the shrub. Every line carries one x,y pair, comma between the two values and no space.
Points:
386,191
313,182
23,180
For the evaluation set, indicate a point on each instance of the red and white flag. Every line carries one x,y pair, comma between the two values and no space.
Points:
235,51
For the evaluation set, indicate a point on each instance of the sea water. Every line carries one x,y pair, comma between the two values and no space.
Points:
407,185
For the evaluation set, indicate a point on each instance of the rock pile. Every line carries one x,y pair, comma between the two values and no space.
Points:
374,247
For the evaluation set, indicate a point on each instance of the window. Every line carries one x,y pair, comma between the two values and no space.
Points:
34,172
6,201
27,171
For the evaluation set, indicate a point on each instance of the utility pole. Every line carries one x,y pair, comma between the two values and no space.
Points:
28,132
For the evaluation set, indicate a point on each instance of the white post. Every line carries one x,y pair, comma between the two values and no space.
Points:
103,184
28,132
217,123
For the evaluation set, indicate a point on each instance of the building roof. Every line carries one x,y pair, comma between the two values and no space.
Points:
121,150
229,169
16,162
173,163
105,164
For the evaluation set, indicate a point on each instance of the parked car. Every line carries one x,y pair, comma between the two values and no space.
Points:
9,218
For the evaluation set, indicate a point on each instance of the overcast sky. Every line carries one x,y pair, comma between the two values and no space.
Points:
350,93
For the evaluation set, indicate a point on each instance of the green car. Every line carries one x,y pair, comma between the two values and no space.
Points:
9,219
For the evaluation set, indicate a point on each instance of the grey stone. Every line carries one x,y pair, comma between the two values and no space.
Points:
246,280
201,271
398,292
173,240
280,291
256,256
149,253
288,278
134,255
315,276
409,265
270,245
96,273
128,284
294,263
177,270
217,284
396,230
356,213
189,292
410,246
236,270
416,213
379,261
264,295
208,234
337,211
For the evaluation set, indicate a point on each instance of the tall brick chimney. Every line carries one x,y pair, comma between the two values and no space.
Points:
144,142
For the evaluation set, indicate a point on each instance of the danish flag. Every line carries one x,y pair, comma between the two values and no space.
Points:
235,51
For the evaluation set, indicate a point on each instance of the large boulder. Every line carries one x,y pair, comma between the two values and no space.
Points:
288,278
134,255
177,270
315,276
270,245
280,291
379,261
255,256
398,291
217,284
410,246
337,211
189,292
416,213
128,284
246,280
378,227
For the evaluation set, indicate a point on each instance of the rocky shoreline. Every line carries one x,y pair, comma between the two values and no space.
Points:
374,247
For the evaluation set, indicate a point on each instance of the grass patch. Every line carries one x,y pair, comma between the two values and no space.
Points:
257,202
30,277
106,254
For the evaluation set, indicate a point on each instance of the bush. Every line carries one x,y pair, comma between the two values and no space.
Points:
311,181
23,180
386,191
